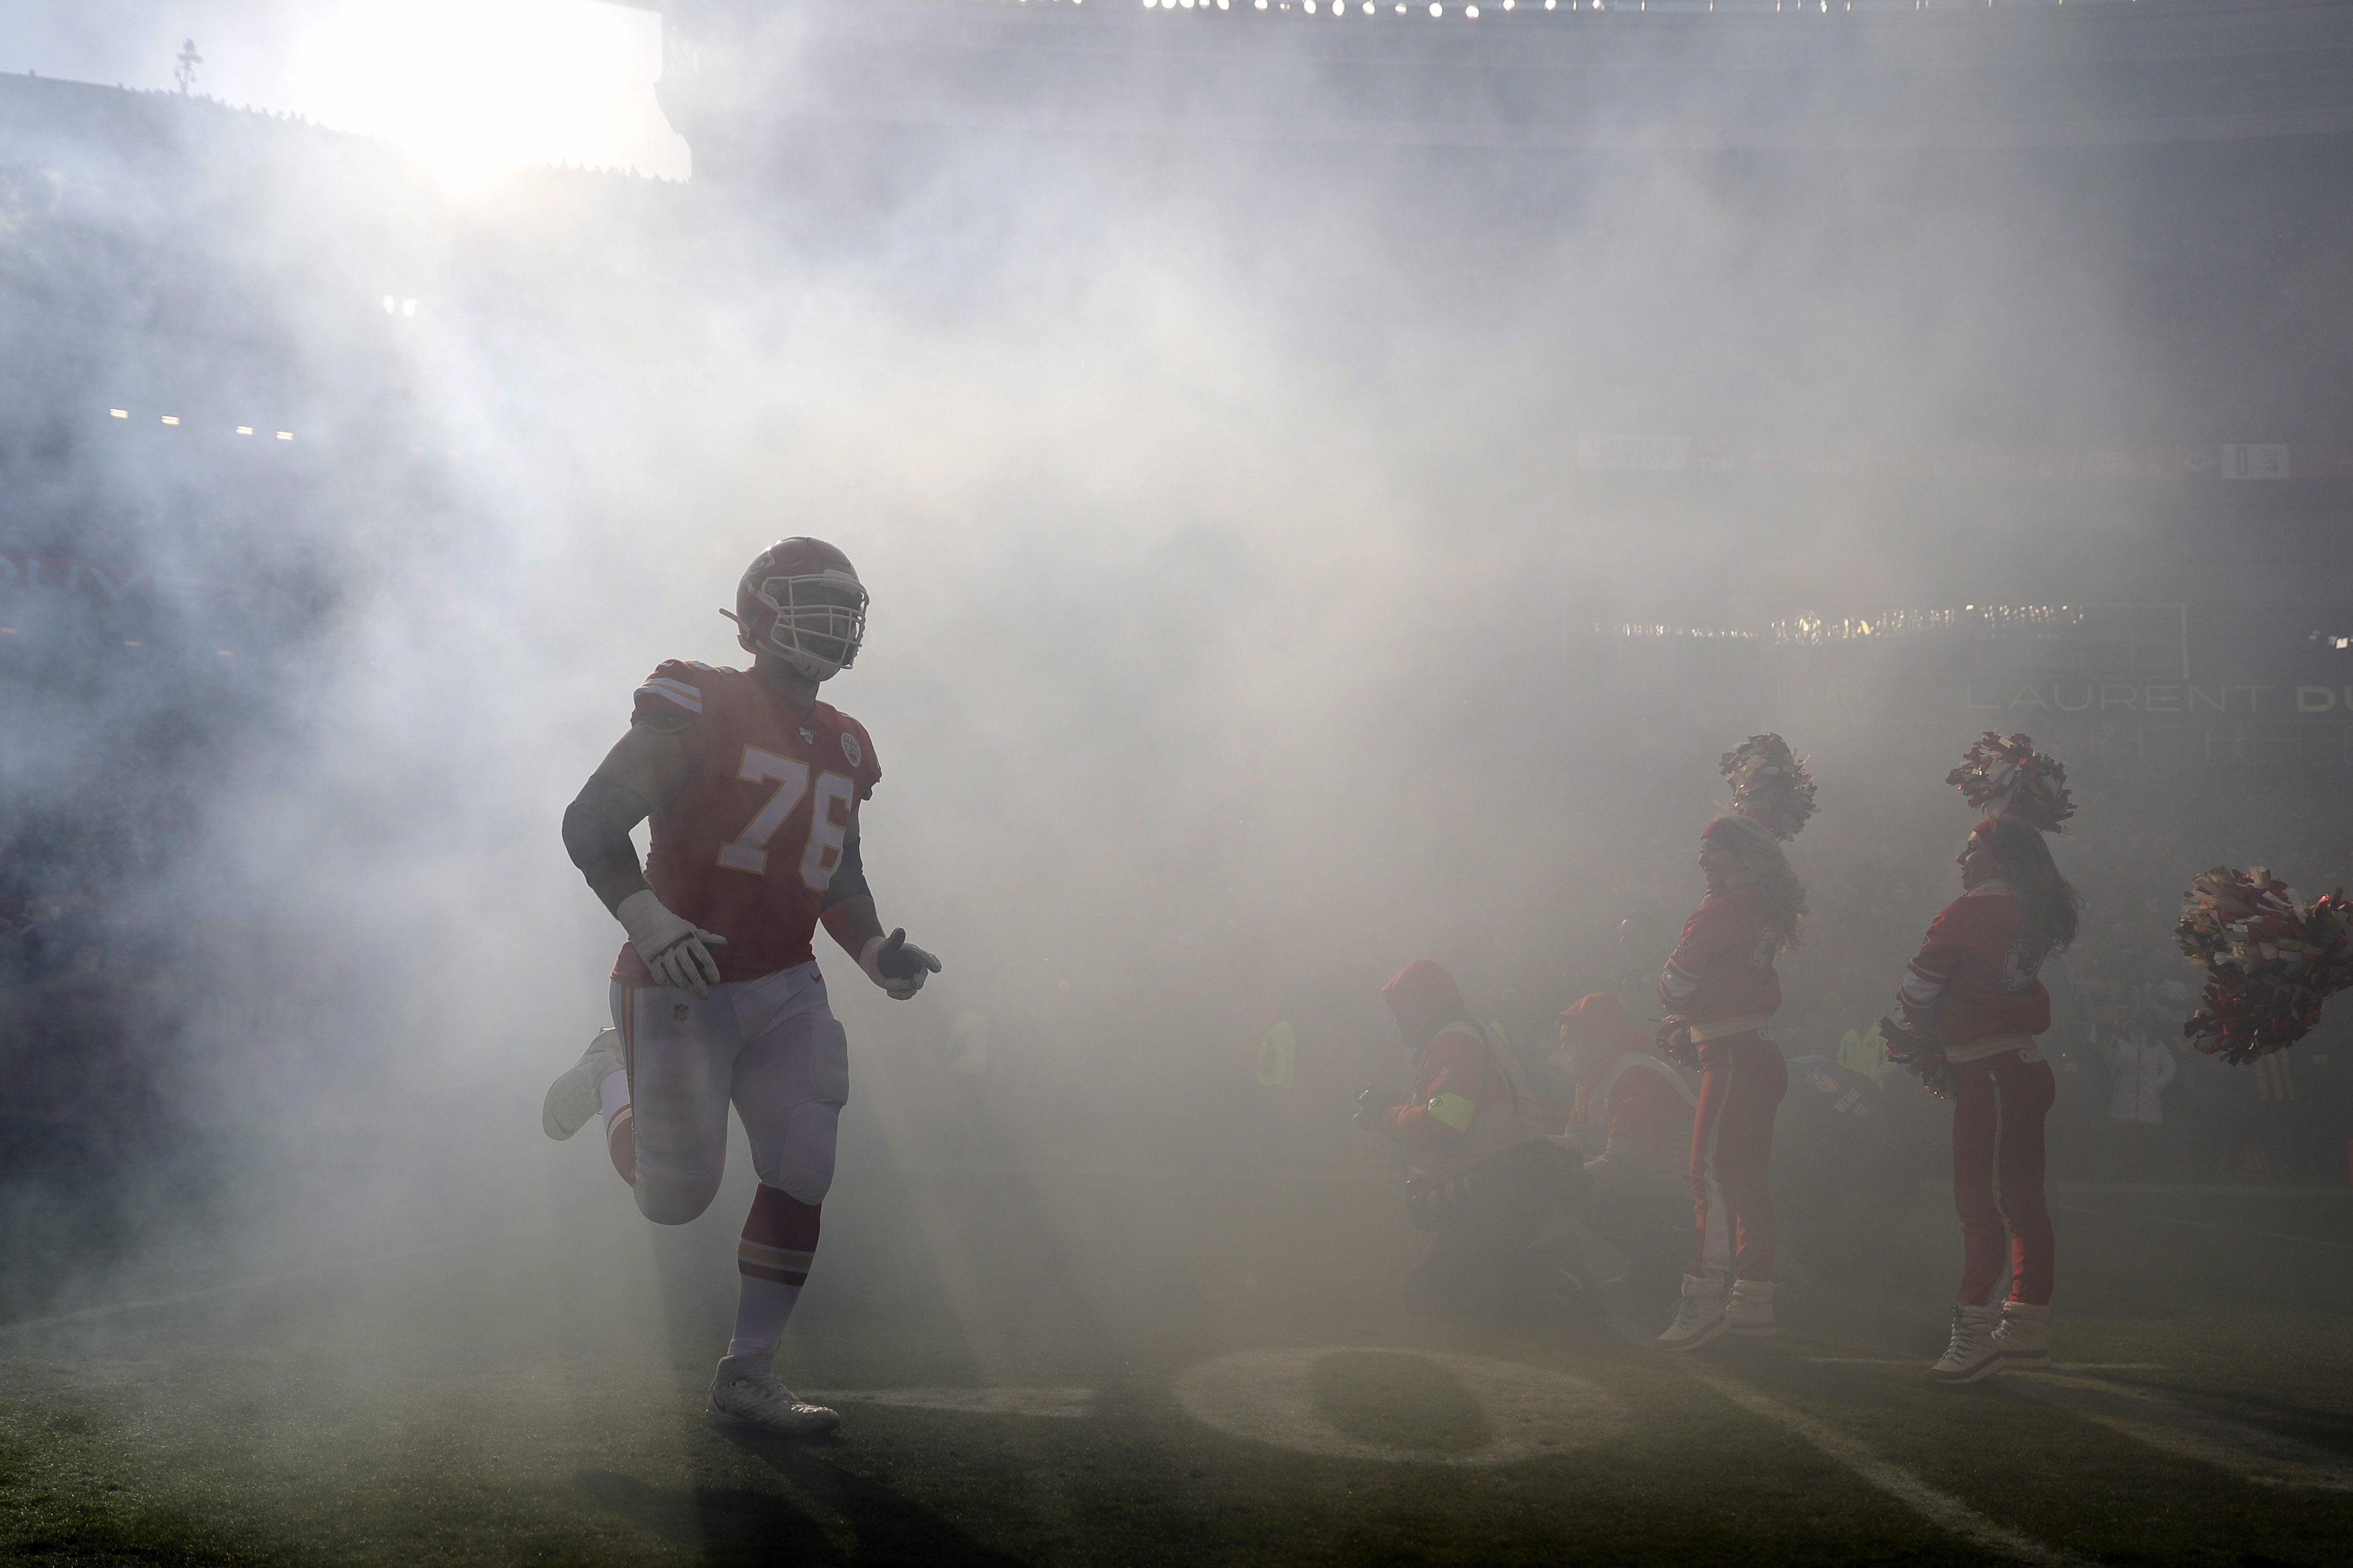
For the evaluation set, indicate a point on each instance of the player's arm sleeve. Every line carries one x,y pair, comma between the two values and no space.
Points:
850,875
1679,982
1926,977
596,823
1452,1083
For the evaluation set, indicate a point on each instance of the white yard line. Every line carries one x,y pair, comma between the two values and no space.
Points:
1922,1363
1064,1403
1938,1507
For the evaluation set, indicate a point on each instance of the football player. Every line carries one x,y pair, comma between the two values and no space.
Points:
753,787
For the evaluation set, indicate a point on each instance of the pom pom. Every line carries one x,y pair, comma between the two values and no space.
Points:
1769,786
1675,1041
1919,1055
2010,778
2271,960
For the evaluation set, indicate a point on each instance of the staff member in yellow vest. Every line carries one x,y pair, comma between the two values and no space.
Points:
1481,1173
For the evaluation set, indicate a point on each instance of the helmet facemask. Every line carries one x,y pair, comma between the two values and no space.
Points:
817,621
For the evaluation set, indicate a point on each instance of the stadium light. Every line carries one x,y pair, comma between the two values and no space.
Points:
286,435
171,419
118,412
244,429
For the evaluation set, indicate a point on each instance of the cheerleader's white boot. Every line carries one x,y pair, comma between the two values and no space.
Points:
1699,1318
1749,1312
2024,1336
1972,1356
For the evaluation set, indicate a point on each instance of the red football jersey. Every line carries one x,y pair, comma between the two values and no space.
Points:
751,844
1723,967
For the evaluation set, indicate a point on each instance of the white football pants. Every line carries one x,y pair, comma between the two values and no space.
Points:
772,1046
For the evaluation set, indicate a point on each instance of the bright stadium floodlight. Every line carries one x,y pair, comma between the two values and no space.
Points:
244,429
118,413
171,419
286,435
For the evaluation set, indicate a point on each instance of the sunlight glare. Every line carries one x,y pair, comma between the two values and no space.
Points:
481,86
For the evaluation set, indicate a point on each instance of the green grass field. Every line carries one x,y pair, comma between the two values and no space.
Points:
1078,1387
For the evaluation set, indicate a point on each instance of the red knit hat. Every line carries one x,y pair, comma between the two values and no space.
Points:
1424,999
1599,1019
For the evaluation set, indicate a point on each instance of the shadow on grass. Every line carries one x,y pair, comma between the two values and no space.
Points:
740,1525
2330,1429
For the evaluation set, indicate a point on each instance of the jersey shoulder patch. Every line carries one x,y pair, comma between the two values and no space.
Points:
857,748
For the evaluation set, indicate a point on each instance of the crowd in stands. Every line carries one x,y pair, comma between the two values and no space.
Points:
67,874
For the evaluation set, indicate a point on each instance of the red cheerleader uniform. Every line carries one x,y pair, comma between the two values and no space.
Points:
1974,990
1721,979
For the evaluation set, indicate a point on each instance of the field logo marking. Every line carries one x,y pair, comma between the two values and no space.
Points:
1267,1396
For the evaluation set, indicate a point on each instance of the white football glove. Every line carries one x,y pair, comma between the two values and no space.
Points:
676,949
896,964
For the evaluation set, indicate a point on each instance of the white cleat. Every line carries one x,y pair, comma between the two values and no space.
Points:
2024,1336
747,1394
1973,1356
1699,1317
571,1101
1750,1311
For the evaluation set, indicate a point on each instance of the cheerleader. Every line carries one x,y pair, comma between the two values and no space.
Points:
1966,1015
1719,989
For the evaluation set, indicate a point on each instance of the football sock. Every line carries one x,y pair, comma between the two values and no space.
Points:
620,1125
779,1241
